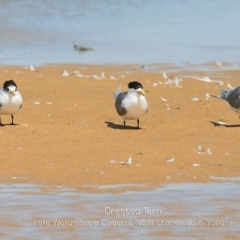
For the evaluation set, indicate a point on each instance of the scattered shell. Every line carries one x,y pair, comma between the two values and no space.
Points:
31,68
95,76
112,77
155,84
170,159
113,161
222,123
229,85
218,63
195,99
207,96
20,148
169,81
196,165
174,82
18,177
200,150
164,100
207,79
177,81
208,151
102,172
65,73
168,177
164,75
36,103
81,122
48,102
79,75
129,162
75,72
103,75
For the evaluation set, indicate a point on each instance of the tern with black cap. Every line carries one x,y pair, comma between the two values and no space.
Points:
131,105
10,100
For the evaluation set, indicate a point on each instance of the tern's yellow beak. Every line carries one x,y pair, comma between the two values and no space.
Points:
141,91
13,93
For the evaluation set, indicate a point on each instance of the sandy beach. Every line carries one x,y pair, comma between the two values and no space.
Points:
68,132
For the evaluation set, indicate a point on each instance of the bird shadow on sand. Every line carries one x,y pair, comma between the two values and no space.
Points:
118,126
217,124
8,124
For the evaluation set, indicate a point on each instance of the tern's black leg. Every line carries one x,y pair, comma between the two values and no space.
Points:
1,123
124,122
138,123
12,123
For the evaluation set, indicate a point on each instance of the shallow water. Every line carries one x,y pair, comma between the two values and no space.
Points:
137,31
175,211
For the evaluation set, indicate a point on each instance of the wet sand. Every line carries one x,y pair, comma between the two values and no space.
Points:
74,134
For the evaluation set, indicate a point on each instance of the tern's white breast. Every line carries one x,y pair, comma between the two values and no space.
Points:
135,105
10,104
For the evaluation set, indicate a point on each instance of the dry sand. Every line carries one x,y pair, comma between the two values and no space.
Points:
74,140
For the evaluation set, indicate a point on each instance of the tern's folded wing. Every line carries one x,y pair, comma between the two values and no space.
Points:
118,104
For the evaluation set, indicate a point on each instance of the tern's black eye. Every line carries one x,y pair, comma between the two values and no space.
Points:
7,89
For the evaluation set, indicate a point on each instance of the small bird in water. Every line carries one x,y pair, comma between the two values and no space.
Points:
10,100
233,98
132,104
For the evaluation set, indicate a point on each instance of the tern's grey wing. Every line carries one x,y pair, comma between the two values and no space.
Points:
118,104
233,97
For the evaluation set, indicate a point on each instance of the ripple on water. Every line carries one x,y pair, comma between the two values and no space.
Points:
172,211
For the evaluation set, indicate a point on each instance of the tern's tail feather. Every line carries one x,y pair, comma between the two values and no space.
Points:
224,94
119,90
